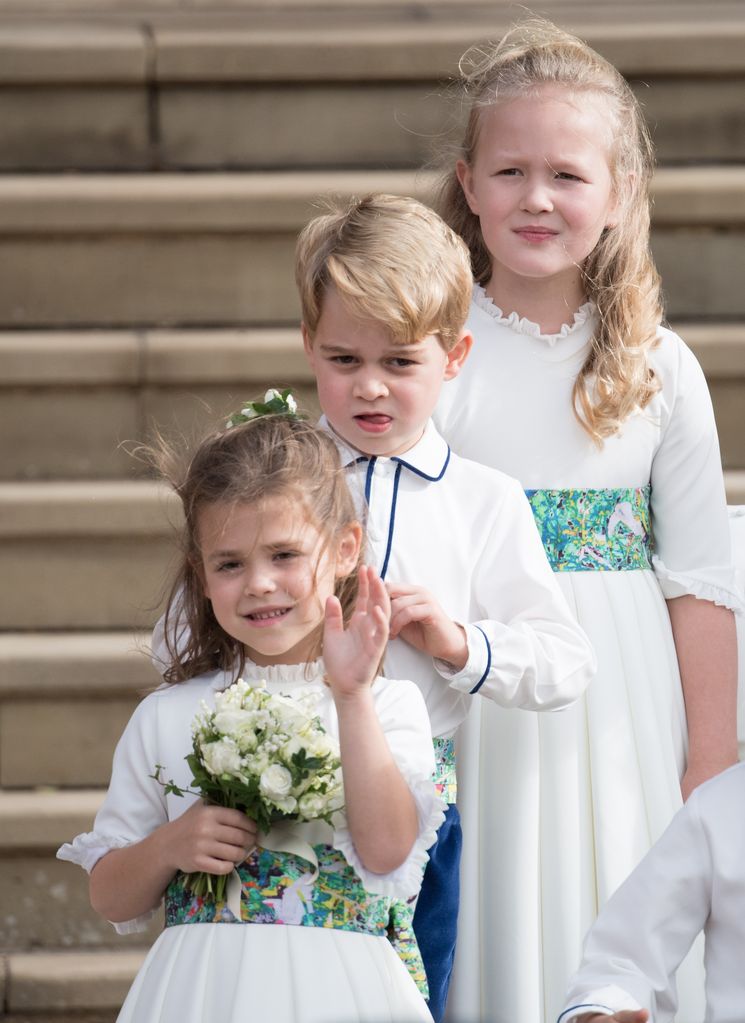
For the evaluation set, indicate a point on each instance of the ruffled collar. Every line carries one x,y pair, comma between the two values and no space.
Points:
523,326
276,676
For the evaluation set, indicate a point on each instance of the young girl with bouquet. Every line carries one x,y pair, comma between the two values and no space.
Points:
575,387
273,593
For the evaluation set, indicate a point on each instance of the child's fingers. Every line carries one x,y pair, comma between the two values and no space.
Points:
363,590
379,593
333,618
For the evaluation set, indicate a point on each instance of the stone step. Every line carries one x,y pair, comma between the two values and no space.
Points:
217,249
115,540
85,556
60,986
46,900
103,390
74,404
337,84
64,701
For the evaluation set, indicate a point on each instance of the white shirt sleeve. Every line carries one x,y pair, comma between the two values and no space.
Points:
644,931
689,513
527,651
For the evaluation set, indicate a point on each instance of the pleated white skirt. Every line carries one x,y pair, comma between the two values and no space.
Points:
254,973
559,807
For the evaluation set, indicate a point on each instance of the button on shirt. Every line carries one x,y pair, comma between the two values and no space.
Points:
466,533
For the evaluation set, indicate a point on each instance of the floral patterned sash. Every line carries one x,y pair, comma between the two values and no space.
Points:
444,776
278,888
594,530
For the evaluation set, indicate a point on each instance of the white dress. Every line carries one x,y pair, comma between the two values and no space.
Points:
246,972
558,808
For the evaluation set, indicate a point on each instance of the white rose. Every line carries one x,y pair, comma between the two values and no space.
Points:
233,721
320,745
275,783
222,757
312,805
287,805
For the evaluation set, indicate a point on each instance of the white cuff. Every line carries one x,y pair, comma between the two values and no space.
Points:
718,583
406,879
473,673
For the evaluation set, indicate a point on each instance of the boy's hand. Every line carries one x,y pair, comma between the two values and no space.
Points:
418,618
351,656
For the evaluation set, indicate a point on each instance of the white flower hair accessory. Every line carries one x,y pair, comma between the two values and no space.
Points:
275,403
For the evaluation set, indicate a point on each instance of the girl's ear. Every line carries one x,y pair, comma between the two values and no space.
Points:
465,176
458,355
348,549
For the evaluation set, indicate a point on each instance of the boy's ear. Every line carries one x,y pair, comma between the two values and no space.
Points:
458,355
348,549
307,341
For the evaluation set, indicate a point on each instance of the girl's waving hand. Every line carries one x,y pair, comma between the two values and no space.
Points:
352,655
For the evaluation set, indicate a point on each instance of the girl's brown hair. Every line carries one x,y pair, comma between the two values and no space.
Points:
619,275
264,458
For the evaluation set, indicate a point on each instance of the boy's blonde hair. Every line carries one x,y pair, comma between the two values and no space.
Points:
392,260
619,275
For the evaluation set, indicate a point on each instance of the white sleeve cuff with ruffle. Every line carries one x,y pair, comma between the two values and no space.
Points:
406,880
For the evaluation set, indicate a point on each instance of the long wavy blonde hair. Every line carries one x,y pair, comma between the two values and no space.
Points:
619,275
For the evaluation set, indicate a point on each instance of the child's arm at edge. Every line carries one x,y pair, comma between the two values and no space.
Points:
706,646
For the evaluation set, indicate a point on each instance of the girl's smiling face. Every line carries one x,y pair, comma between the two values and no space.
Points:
268,571
541,185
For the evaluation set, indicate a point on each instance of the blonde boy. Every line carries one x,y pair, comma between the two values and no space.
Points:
385,288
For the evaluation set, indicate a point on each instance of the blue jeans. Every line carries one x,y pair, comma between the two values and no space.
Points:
436,914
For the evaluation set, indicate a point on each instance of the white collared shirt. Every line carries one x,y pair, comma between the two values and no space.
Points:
466,533
692,879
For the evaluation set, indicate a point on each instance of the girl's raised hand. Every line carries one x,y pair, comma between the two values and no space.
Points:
352,655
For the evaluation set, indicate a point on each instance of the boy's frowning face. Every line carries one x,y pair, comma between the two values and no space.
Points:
376,394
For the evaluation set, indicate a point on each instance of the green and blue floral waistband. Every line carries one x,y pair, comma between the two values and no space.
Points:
280,888
444,776
594,530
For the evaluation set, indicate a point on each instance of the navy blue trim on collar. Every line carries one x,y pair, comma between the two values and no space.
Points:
488,662
369,477
418,472
391,522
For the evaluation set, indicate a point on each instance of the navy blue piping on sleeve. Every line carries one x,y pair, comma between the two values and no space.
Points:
488,662
586,1006
392,521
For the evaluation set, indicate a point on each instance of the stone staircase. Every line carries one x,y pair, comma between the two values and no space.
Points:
158,160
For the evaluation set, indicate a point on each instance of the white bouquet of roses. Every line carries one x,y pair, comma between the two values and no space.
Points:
265,754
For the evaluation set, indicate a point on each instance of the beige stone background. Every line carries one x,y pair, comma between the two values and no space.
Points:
156,162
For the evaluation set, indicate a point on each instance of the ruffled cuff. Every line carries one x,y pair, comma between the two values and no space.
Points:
406,880
86,850
721,584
